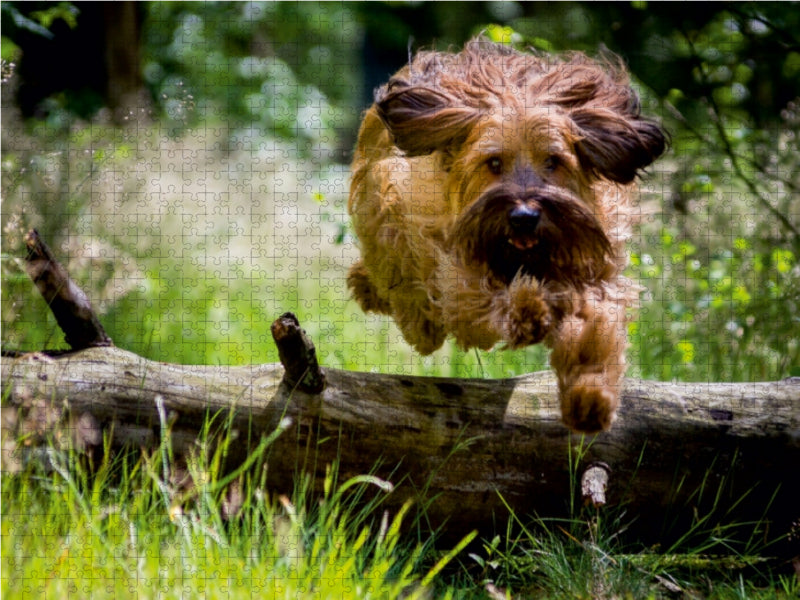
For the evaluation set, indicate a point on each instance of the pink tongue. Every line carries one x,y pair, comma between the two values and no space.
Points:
523,244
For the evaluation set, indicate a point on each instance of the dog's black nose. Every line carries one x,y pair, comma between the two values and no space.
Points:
524,218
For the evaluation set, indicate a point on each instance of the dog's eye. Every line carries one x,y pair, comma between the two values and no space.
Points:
552,162
495,165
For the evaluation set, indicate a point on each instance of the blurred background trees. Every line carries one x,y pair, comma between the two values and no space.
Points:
720,233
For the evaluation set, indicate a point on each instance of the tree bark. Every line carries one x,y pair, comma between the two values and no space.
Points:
476,447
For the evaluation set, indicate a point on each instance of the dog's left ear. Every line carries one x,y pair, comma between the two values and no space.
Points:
616,146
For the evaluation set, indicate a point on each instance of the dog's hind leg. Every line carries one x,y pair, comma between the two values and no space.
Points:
403,298
364,292
416,318
409,311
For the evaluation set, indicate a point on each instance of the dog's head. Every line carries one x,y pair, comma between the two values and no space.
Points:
527,141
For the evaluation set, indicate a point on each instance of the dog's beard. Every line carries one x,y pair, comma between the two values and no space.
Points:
567,245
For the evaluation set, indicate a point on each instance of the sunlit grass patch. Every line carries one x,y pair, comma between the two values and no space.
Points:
125,528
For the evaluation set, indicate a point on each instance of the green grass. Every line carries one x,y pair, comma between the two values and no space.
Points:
121,527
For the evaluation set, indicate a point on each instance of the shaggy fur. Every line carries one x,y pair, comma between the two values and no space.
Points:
490,195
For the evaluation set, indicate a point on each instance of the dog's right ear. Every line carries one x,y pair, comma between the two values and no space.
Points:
422,120
616,146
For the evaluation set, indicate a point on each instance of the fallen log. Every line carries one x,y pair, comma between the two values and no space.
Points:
478,447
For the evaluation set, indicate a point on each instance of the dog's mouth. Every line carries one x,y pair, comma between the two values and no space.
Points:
524,243
548,257
530,254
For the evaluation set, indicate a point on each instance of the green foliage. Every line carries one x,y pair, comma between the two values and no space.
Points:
714,315
38,22
259,69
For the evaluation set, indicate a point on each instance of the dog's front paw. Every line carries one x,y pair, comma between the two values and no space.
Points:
528,317
528,325
589,405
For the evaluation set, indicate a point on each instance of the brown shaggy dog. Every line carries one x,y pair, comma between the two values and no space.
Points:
490,195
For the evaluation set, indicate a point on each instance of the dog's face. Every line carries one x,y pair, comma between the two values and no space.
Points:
523,168
523,201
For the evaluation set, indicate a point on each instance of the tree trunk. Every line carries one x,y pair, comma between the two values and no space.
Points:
125,92
99,57
476,446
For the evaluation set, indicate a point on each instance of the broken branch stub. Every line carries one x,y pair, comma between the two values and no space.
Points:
594,483
68,302
297,355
